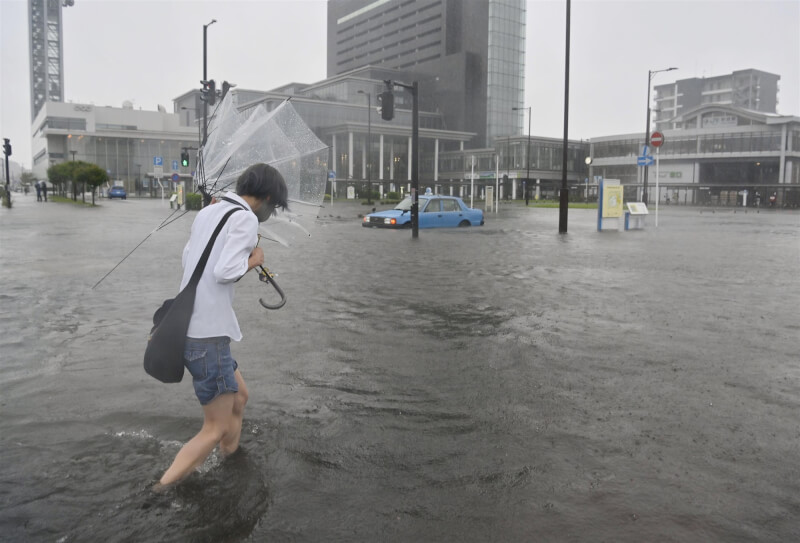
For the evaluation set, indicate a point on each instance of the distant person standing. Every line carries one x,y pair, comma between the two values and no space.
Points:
38,186
44,190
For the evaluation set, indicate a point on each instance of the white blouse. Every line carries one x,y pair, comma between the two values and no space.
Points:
213,306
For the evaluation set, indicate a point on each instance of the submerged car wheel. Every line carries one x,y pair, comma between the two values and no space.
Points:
464,223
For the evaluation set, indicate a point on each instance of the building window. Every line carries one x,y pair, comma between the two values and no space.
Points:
65,123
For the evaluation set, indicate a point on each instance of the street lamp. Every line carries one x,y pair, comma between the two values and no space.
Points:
369,146
528,154
205,77
650,74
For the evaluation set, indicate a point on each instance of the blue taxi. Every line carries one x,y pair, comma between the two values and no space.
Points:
435,211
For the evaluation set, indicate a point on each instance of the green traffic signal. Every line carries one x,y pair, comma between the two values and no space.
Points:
185,159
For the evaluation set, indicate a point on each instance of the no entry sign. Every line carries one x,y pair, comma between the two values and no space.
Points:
657,139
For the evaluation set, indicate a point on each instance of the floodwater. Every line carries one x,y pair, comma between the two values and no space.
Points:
502,383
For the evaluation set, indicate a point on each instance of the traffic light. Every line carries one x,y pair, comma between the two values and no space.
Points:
386,100
7,146
209,92
185,159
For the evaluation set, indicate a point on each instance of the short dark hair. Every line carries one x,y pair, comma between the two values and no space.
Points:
262,181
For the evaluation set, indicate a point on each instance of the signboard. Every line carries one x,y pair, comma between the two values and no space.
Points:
174,165
158,171
646,160
331,174
158,161
176,177
657,139
637,208
612,201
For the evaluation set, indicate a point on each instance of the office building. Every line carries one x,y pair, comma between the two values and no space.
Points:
468,56
746,89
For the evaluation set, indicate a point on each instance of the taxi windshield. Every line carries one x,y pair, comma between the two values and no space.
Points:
405,204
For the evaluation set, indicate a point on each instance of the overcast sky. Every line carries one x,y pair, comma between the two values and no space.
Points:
151,51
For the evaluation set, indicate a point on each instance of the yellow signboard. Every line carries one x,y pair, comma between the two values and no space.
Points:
612,201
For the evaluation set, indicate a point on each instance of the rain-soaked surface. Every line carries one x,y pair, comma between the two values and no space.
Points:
502,383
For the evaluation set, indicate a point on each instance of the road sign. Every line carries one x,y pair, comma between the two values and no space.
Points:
331,174
176,177
158,171
174,165
657,139
646,160
158,161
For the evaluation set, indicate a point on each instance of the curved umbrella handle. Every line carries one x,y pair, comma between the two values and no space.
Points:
266,276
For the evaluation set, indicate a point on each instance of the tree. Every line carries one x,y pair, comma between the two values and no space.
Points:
90,174
59,174
77,172
27,179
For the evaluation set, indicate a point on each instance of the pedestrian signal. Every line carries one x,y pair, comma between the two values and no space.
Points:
185,159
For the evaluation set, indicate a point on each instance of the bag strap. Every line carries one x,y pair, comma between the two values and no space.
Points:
201,264
231,200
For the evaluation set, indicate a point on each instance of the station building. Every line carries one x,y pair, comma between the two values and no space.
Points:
122,140
713,155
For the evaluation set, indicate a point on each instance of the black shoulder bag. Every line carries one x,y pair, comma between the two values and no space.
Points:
163,357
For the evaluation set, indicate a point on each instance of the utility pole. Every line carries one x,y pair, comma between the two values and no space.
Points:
414,89
387,112
650,74
7,153
205,77
369,146
563,206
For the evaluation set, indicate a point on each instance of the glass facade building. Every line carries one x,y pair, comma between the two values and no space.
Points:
505,67
468,56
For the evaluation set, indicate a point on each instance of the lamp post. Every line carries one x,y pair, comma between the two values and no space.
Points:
650,74
205,77
528,152
369,146
472,184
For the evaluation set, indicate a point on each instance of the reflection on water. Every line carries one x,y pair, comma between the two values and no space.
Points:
501,383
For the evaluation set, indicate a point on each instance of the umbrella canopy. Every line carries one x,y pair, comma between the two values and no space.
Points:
239,138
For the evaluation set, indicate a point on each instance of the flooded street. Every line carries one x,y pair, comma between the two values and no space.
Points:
501,383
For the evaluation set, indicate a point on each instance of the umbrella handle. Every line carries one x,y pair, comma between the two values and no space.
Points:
268,277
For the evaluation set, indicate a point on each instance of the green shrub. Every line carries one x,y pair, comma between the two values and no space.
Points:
194,201
392,196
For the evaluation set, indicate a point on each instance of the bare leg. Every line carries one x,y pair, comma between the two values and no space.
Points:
230,442
216,424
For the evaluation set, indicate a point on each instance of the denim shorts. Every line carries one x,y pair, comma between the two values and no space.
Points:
210,362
